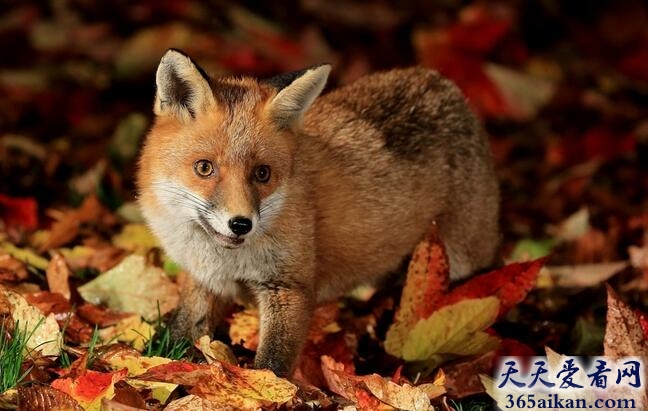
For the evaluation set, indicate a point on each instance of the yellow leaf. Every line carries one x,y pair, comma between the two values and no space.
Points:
137,365
136,238
25,255
132,330
454,330
194,403
244,389
244,329
228,386
133,286
215,350
44,332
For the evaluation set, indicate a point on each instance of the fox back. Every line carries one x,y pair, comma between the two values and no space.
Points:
262,189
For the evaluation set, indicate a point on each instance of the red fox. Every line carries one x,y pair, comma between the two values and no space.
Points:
260,188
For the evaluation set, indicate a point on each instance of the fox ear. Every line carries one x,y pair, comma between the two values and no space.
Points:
182,87
297,91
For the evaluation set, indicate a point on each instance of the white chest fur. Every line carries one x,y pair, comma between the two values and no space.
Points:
213,265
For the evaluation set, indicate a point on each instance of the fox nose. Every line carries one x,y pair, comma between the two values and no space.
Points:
240,225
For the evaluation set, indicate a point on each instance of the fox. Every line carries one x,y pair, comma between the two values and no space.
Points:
265,191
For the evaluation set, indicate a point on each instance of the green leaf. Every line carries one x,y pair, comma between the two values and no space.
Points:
532,249
454,330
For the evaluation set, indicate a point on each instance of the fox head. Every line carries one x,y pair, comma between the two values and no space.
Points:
220,151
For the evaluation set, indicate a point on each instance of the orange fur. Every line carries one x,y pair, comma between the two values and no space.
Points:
356,180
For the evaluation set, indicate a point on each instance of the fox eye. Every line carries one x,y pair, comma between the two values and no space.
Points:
203,168
262,174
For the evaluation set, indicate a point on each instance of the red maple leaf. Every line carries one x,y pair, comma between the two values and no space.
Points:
510,284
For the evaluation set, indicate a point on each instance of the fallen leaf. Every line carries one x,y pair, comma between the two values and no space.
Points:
581,275
90,387
102,258
12,269
523,93
100,316
623,333
215,350
381,390
324,322
43,331
225,384
66,228
25,255
510,284
127,395
9,399
57,275
426,282
113,405
149,292
462,377
45,398
573,227
454,330
136,238
530,249
136,365
194,403
244,329
498,395
132,330
76,330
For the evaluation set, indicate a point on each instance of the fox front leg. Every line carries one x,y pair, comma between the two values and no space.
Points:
286,315
198,313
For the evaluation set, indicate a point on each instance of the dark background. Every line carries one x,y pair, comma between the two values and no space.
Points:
562,87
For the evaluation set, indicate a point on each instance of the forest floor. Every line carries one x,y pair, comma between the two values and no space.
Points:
562,91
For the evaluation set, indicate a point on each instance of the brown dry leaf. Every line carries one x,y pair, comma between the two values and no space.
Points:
100,316
195,403
462,377
226,385
244,329
623,333
355,388
58,274
12,269
324,322
128,396
9,399
45,398
100,257
215,350
624,337
67,227
427,280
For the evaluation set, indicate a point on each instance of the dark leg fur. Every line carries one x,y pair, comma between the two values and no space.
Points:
199,312
285,320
